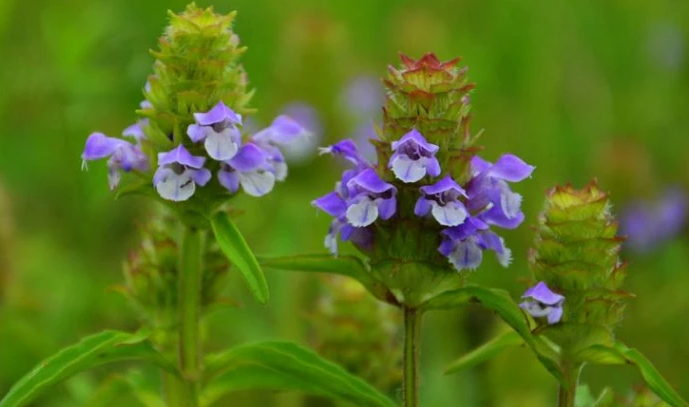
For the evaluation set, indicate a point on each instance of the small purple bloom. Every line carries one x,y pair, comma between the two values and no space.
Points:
490,197
442,200
463,245
346,149
542,302
136,131
251,169
363,96
648,224
361,237
122,156
305,115
217,128
178,174
414,157
371,198
284,131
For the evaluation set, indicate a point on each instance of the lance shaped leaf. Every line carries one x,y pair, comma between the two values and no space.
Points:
92,351
619,353
234,246
485,352
285,366
350,266
500,302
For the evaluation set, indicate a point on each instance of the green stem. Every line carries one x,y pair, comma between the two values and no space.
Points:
189,352
410,380
567,394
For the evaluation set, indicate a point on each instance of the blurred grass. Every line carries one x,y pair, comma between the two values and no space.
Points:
568,86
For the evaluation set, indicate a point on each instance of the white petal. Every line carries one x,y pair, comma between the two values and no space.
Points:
331,243
257,183
362,213
280,170
536,309
408,170
505,258
511,203
175,187
450,214
221,146
467,255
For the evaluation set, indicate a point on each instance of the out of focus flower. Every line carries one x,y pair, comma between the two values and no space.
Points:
363,97
666,46
649,224
305,147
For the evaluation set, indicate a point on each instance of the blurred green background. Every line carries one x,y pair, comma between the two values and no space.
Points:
579,89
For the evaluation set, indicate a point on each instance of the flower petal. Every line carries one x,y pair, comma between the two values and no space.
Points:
362,213
173,186
200,176
257,183
541,293
136,130
555,315
229,180
250,157
466,255
444,185
369,181
386,207
406,169
432,167
422,207
346,149
98,146
283,130
417,139
182,156
218,114
332,204
222,146
197,133
451,214
511,168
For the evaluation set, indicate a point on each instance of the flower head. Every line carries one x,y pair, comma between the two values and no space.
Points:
541,302
218,130
178,174
442,200
123,156
414,157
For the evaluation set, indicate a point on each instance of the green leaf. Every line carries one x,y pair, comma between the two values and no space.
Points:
487,351
584,397
349,266
234,246
500,302
285,366
651,376
619,353
92,351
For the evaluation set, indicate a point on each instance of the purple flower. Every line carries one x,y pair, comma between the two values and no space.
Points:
414,157
489,194
304,147
648,224
178,174
346,149
363,96
362,135
136,131
542,302
463,245
251,169
217,128
442,200
371,198
282,132
122,156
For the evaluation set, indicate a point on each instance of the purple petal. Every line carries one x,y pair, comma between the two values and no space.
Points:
249,158
466,229
218,114
416,138
197,133
182,156
555,315
361,237
363,212
332,204
406,169
511,168
200,176
369,181
466,255
541,293
479,165
432,167
98,146
283,130
496,216
444,185
347,149
386,207
136,130
229,180
363,96
423,206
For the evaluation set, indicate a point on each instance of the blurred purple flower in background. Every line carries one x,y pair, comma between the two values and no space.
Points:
305,147
649,224
666,46
363,97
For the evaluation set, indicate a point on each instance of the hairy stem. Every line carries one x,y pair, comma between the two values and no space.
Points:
410,381
567,394
189,352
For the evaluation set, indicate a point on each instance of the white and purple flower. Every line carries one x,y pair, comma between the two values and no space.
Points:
218,130
371,198
251,169
178,174
123,156
442,200
541,302
282,132
413,157
463,245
